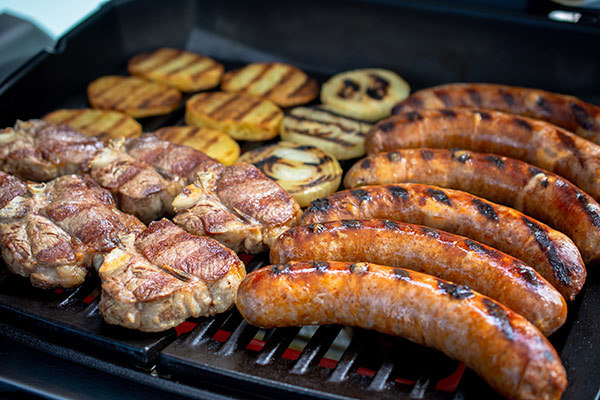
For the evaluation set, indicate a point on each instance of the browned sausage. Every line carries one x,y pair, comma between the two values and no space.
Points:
565,111
536,142
498,344
438,253
551,253
540,194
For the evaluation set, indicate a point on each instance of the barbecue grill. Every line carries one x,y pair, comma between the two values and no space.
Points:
428,43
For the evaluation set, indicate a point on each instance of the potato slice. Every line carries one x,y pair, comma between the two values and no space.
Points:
283,84
134,96
188,72
306,172
104,124
214,143
240,116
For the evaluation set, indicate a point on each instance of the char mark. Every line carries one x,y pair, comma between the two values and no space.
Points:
379,87
474,96
390,224
430,232
448,113
527,273
581,116
534,171
362,195
394,156
398,191
523,124
440,196
483,114
497,161
350,87
427,155
401,274
500,317
267,163
481,249
444,97
413,116
567,141
321,205
544,105
589,210
320,266
366,164
485,209
457,292
352,223
461,158
507,97
386,126
316,227
280,269
359,268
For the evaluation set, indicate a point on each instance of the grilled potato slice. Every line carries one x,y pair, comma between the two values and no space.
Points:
214,143
367,94
342,137
188,72
306,172
283,84
132,95
240,116
104,124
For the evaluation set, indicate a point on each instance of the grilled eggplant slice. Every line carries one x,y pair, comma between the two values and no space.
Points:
132,95
342,137
214,143
283,84
104,124
186,71
306,172
367,94
240,116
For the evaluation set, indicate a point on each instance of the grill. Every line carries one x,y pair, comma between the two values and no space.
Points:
210,357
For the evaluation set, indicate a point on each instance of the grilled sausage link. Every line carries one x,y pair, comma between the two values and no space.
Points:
551,253
540,194
536,142
565,111
498,344
438,253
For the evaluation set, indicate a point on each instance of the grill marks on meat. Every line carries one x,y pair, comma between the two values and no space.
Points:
10,187
238,206
165,276
40,151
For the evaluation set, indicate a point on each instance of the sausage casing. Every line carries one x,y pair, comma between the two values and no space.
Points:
551,253
498,344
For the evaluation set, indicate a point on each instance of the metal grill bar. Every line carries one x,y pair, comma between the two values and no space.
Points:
348,359
277,343
316,348
380,380
239,338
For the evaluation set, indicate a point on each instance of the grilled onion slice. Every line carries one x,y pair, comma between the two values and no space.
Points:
342,137
306,172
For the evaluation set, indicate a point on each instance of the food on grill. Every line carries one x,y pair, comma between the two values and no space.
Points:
164,276
188,72
306,172
498,344
340,136
536,142
283,84
104,124
54,232
565,111
438,253
40,151
214,143
134,96
540,194
241,116
552,254
10,187
238,206
367,94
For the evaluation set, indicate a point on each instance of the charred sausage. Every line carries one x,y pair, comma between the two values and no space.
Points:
565,111
498,344
540,194
536,142
438,253
551,253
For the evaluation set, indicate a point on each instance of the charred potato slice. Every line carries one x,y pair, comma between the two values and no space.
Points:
306,172
104,124
283,84
188,72
214,143
240,116
134,96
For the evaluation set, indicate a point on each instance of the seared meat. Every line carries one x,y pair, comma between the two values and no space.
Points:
53,232
10,187
238,206
40,151
166,275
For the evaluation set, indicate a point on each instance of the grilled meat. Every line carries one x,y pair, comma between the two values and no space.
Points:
166,275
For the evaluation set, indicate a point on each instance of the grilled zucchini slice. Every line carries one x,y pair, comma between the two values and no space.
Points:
214,143
132,95
306,172
367,94
240,116
186,71
342,137
103,124
283,84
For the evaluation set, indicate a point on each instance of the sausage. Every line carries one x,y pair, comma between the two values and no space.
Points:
536,142
551,253
498,344
535,192
438,253
565,111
